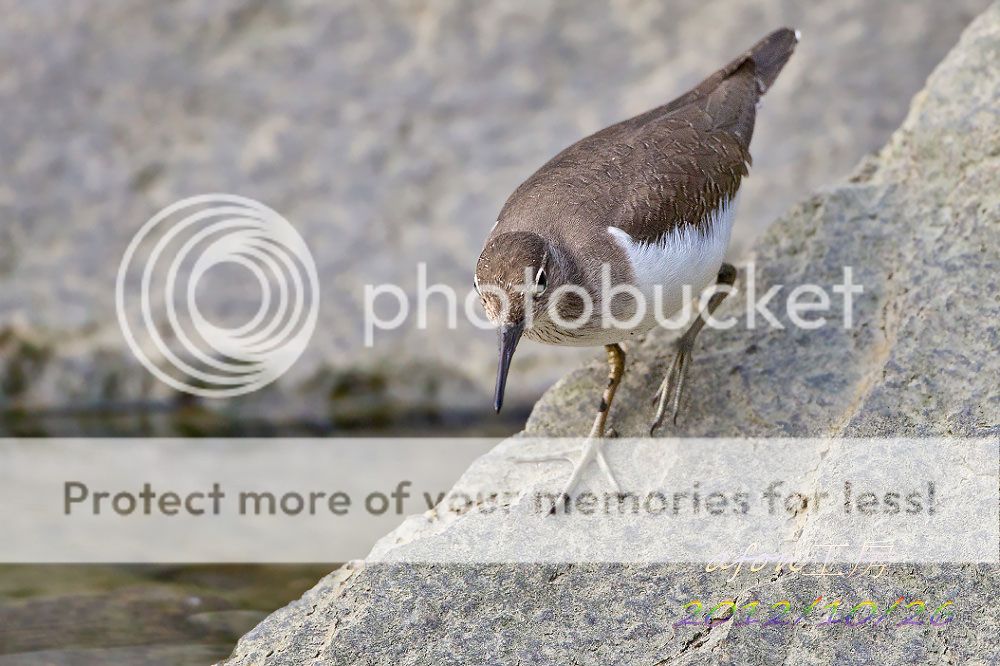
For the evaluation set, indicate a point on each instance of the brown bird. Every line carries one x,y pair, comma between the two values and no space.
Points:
646,205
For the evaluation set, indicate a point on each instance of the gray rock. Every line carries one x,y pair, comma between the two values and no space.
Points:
920,223
388,133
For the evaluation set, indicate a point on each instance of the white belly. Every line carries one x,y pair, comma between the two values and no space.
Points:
686,256
686,259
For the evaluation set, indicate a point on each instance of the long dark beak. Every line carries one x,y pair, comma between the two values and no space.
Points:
509,334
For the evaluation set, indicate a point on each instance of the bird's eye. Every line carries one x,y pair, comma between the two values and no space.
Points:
541,282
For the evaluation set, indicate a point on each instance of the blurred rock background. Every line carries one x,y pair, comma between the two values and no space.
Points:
388,133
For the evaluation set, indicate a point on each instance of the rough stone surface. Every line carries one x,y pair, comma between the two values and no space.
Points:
388,133
920,224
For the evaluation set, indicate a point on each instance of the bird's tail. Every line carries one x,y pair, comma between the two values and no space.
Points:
770,54
765,59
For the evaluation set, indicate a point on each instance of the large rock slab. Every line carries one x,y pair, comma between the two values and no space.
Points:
388,134
920,224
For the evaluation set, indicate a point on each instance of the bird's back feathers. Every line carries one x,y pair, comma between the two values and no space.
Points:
672,166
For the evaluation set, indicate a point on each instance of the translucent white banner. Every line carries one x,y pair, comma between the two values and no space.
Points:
716,501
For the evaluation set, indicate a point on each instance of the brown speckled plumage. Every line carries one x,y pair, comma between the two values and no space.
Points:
667,167
656,178
648,175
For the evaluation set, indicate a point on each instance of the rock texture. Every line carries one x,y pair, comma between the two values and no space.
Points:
920,224
388,133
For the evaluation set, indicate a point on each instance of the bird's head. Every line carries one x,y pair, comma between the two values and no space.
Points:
515,274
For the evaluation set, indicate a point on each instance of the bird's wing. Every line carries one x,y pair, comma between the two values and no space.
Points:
681,167
672,166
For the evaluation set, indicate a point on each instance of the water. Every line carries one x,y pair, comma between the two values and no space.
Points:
111,615
139,614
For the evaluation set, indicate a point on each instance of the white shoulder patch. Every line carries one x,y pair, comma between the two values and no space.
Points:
685,256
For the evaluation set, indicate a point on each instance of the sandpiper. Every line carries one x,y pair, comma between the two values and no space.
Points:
647,202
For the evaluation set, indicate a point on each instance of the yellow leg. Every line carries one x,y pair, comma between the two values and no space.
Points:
616,368
593,447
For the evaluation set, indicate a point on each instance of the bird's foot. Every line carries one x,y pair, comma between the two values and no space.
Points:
580,458
672,386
